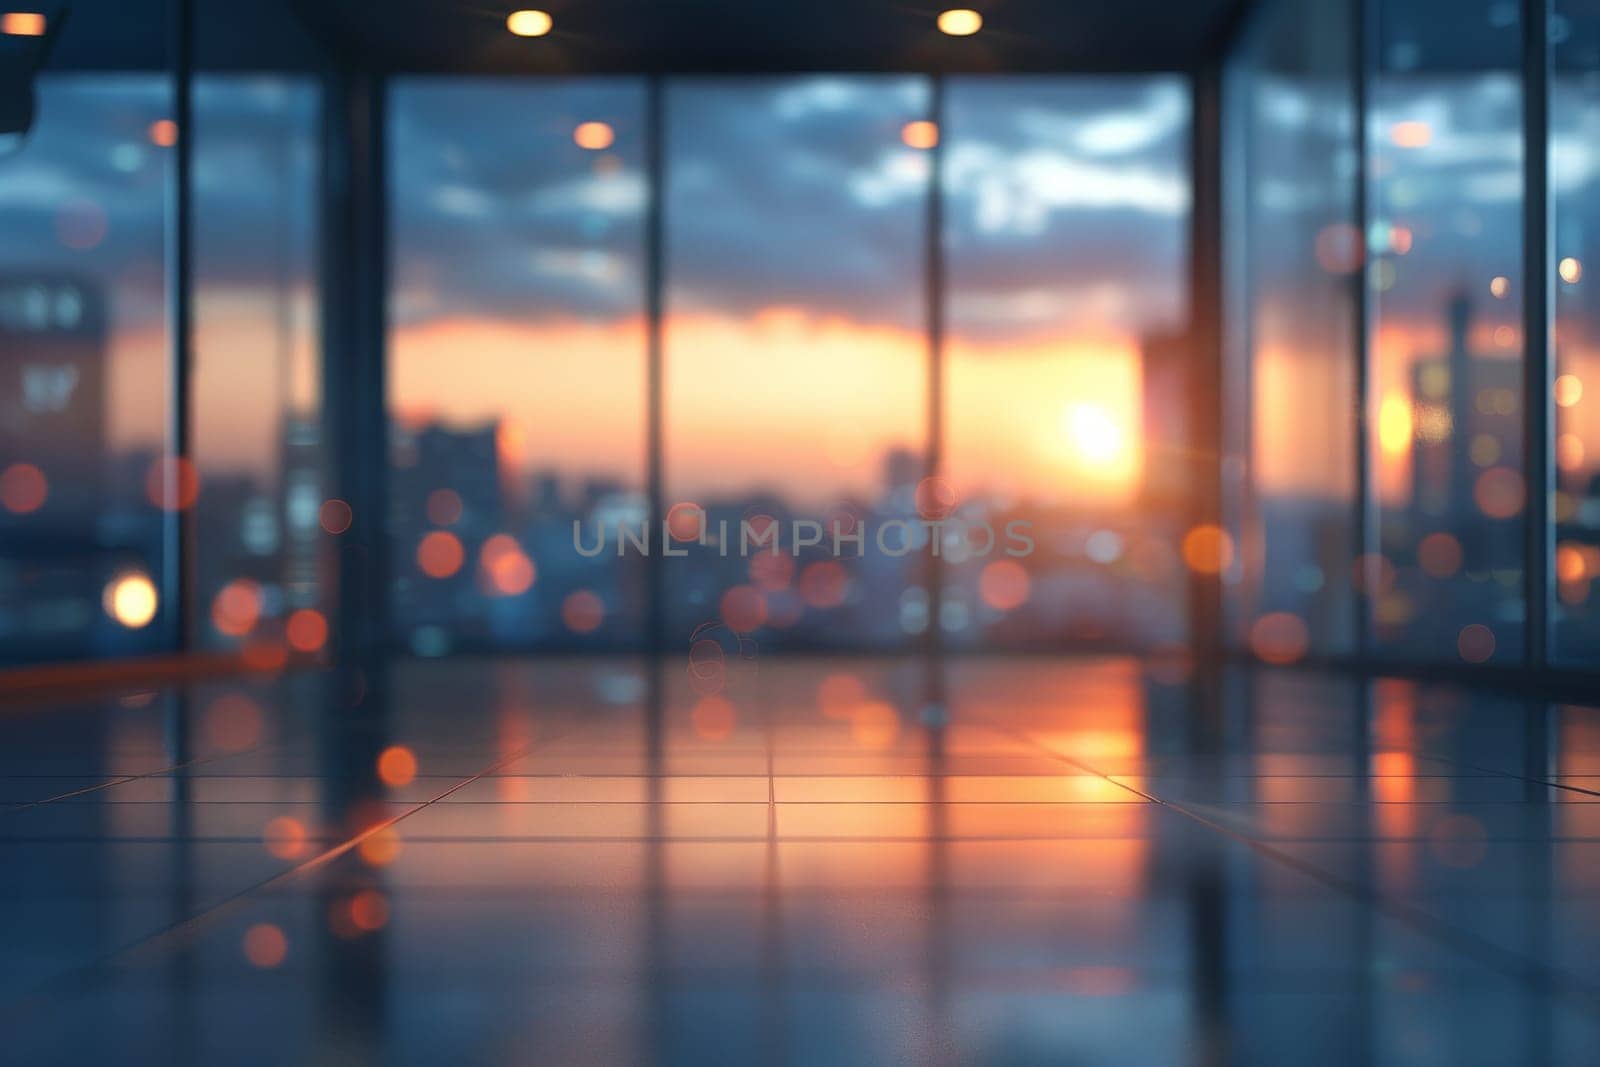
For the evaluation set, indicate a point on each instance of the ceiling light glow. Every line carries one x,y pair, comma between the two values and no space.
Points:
529,23
960,22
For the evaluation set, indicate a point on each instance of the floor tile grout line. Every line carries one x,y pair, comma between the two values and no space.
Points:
1511,775
252,750
200,919
1507,962
125,779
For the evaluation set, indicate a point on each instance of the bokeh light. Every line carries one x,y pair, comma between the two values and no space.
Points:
686,521
397,766
824,584
714,718
265,946
439,554
380,848
839,694
335,516
172,483
1439,554
231,723
23,488
920,134
874,724
1207,549
236,608
1411,134
507,570
1004,585
307,630
369,910
743,608
1339,248
131,599
1499,492
1475,643
285,838
936,498
594,136
1568,390
444,507
1279,637
582,612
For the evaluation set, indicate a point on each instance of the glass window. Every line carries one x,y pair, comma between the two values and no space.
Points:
1444,142
258,517
1293,247
1067,205
796,354
516,359
1575,188
84,351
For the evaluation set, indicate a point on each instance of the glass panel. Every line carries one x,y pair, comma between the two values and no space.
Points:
1293,250
83,369
796,353
516,359
1444,142
1575,187
1066,218
257,437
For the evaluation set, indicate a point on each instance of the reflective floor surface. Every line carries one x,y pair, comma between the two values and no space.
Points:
834,862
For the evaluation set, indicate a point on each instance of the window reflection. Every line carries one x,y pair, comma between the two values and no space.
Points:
1444,146
1294,249
1575,189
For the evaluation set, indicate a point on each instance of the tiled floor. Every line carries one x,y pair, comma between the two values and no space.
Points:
996,861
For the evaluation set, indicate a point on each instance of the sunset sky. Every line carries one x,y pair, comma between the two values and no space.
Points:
795,235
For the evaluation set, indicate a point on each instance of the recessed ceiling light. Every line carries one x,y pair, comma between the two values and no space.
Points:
960,22
22,24
529,23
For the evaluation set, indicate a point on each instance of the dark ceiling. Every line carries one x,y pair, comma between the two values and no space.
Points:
687,36
783,35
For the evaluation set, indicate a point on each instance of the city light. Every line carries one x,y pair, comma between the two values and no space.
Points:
23,488
920,134
594,136
1411,134
1568,390
131,599
529,23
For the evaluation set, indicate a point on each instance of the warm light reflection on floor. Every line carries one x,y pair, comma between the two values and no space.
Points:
1041,861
